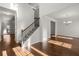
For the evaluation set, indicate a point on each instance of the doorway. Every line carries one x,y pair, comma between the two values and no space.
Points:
7,28
52,29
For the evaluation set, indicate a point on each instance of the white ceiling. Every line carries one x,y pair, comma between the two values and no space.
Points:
55,10
6,11
59,10
68,12
6,14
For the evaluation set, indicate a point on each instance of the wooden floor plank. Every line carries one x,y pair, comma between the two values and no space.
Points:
20,50
16,52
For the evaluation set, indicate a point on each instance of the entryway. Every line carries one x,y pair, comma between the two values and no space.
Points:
7,29
52,26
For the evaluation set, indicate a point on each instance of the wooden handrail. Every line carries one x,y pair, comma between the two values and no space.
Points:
29,26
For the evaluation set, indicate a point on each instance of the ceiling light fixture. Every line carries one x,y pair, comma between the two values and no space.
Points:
67,22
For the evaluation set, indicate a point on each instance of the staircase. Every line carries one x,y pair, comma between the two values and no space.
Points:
27,32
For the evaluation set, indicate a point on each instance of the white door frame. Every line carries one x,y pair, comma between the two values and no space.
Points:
51,19
51,28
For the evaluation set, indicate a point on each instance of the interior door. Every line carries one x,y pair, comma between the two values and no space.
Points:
52,28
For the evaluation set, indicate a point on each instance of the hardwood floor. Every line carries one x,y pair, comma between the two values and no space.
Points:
57,47
8,47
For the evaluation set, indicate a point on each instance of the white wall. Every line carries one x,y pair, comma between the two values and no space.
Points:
24,18
46,27
0,26
70,29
